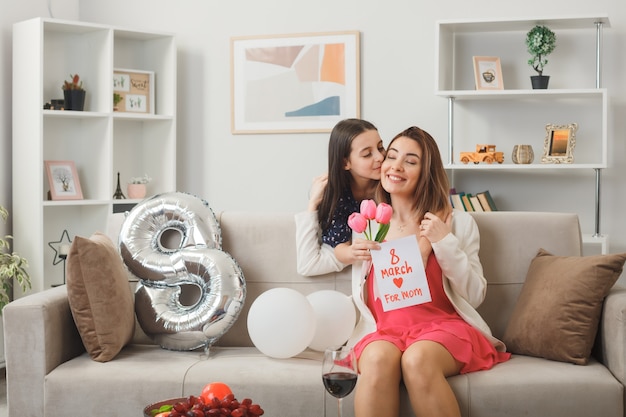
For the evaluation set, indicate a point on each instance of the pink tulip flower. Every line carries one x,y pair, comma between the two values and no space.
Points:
357,222
383,213
368,209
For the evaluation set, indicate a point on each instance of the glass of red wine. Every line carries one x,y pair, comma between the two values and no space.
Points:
339,372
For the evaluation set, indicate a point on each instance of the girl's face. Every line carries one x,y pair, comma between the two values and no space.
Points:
402,166
366,156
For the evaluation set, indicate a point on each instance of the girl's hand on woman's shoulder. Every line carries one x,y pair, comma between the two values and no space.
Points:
317,191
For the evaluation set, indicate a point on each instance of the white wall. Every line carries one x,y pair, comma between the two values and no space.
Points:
273,172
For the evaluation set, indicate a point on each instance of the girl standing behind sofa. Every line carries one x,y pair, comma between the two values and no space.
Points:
355,154
422,344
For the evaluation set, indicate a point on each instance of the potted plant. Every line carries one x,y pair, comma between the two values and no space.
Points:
540,42
74,93
12,267
117,98
137,186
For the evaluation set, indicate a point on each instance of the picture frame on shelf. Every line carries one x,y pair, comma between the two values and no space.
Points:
488,73
63,180
559,143
133,91
294,83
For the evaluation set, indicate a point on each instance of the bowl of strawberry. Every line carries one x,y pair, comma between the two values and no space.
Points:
215,400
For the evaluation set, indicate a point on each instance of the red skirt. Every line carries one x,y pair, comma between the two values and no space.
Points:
436,321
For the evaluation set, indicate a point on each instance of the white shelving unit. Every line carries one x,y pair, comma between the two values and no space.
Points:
101,142
518,114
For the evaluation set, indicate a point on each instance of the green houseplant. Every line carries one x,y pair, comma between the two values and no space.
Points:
12,267
540,42
117,98
74,93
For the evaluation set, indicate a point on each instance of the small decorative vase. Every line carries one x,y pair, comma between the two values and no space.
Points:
539,82
523,154
74,99
136,190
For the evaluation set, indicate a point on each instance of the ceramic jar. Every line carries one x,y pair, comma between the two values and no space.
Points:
523,154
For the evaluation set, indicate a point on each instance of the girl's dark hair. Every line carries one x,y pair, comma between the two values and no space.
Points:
339,179
433,186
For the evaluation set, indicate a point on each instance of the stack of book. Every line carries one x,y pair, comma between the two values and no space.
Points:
472,202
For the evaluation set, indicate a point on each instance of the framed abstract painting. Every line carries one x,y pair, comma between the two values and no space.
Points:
294,83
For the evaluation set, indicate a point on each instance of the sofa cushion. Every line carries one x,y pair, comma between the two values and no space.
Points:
100,297
556,316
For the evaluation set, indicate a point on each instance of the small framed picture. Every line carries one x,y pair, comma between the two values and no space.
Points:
558,146
63,180
133,91
488,73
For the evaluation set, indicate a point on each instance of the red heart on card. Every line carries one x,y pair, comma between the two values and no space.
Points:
398,282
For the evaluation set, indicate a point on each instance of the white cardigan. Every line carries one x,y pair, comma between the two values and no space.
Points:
457,254
312,256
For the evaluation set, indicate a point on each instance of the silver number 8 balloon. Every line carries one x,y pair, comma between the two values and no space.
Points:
190,291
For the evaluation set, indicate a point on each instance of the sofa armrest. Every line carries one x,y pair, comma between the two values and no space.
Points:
39,335
613,333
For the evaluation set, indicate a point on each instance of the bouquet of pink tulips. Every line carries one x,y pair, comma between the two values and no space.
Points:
361,222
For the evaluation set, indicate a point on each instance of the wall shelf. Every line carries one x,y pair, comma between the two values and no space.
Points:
518,114
100,141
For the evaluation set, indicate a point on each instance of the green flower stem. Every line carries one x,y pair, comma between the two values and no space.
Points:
382,232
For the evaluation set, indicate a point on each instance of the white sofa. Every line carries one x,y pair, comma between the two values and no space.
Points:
50,374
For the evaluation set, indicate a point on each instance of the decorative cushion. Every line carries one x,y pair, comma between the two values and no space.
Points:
557,314
100,297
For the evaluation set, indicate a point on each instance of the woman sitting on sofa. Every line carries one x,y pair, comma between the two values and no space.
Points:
423,344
